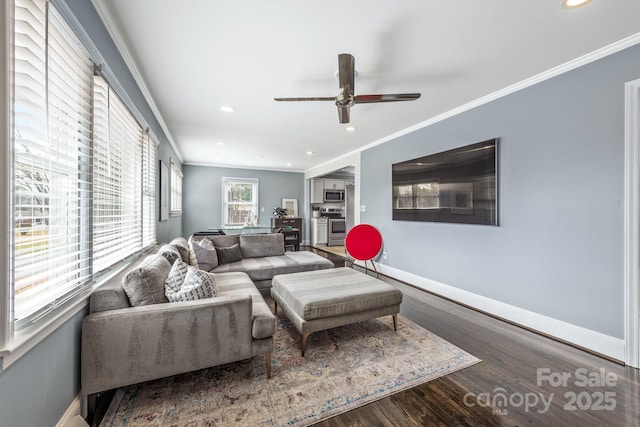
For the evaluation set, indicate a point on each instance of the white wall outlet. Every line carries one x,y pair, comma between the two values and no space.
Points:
262,209
363,208
384,255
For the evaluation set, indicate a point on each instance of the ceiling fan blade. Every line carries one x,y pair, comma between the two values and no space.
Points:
346,73
343,114
389,97
315,98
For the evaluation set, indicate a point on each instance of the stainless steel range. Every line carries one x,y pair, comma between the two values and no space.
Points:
337,227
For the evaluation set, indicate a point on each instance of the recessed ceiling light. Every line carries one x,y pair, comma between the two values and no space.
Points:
219,143
288,164
309,153
571,4
227,109
350,128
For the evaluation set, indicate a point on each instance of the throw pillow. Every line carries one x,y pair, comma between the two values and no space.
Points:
205,254
182,246
229,254
170,253
192,255
198,284
176,276
145,284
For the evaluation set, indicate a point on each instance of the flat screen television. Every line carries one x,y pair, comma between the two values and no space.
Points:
456,186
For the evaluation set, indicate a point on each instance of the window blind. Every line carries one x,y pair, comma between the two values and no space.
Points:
149,162
52,162
117,181
176,190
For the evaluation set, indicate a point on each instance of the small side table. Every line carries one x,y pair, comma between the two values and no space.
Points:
291,238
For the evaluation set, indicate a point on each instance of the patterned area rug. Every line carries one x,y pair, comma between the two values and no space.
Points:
344,368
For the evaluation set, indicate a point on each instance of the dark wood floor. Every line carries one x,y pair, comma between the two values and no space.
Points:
511,357
512,360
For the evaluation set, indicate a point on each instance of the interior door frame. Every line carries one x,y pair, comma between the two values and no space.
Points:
632,224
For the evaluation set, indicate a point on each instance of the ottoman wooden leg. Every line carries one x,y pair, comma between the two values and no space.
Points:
395,322
275,307
304,342
267,357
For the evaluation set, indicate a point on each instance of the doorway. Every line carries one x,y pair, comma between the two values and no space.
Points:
632,224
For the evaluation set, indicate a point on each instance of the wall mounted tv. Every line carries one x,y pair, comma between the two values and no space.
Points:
458,186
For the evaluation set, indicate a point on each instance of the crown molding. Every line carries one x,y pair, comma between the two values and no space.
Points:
545,75
112,27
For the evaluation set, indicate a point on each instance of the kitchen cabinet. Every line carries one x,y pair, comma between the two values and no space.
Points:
334,184
319,229
317,190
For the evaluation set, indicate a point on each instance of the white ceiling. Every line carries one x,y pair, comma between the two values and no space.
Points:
195,56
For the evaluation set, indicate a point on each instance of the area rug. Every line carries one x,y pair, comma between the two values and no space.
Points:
344,368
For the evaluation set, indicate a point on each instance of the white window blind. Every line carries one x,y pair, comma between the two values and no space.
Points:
149,162
176,190
117,182
52,161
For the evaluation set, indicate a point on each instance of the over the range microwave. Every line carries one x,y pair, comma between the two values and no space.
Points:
333,195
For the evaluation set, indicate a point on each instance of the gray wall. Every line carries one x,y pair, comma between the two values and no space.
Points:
558,249
40,386
37,389
202,200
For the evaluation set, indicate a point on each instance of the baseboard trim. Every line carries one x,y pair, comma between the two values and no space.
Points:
72,411
599,343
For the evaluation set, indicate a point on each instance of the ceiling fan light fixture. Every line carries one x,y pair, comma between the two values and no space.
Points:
572,4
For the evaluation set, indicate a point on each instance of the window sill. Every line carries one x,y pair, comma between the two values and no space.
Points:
174,214
27,339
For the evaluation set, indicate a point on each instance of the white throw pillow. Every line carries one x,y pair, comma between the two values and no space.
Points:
197,284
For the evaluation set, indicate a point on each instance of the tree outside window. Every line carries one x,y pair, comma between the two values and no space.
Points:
240,201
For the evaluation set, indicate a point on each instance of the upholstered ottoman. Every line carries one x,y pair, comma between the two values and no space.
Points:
318,300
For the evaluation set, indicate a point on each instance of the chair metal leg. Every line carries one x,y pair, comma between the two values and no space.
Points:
395,322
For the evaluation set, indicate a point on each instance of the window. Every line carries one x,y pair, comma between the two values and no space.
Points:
239,201
84,170
52,162
149,218
176,190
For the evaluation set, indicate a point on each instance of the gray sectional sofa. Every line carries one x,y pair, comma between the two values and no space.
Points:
133,334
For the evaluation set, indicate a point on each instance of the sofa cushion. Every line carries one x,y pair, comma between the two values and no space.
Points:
229,254
263,320
197,284
182,246
259,245
265,268
225,240
145,284
170,252
206,255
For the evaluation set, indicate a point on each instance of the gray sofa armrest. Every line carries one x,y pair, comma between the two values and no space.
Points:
135,344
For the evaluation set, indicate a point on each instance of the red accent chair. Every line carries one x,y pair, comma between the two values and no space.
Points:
363,242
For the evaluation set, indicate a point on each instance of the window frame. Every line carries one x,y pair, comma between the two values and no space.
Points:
255,183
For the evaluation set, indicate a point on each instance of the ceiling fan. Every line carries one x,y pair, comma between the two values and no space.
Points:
346,98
